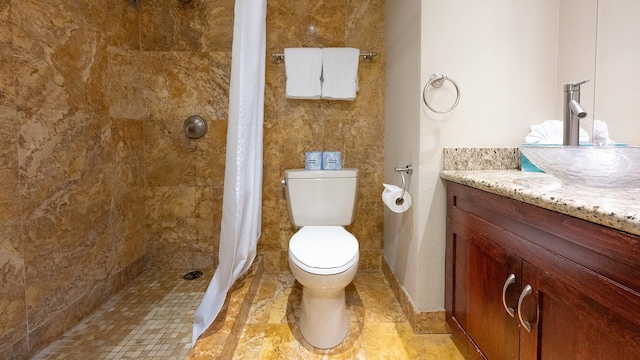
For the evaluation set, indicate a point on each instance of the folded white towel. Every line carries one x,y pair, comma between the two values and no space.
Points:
550,132
340,73
303,67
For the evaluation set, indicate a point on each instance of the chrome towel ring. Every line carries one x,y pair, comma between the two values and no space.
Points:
436,81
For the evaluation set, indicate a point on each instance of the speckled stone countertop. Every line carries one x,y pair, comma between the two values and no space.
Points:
496,170
615,208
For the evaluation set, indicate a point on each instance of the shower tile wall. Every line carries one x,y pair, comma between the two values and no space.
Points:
186,61
71,169
186,64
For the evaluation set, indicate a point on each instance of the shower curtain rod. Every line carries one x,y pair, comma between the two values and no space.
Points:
366,55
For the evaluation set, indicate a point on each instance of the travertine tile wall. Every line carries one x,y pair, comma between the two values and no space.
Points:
355,128
186,61
185,64
71,169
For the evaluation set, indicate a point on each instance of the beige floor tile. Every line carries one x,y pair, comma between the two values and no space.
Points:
250,343
385,334
427,346
377,298
286,300
151,319
382,341
280,343
263,301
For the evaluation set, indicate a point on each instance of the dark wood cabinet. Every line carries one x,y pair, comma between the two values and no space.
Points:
523,282
480,268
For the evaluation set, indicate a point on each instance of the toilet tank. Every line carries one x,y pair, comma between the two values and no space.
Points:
321,197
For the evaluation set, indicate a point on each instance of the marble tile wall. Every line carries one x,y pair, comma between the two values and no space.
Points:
71,164
355,128
185,67
186,63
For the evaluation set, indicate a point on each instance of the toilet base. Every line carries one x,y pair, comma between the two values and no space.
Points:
324,319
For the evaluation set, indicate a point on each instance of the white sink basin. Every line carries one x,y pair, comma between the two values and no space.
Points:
597,166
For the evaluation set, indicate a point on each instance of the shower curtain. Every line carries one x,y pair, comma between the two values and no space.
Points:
242,198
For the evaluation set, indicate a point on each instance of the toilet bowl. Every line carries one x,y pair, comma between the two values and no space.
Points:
324,259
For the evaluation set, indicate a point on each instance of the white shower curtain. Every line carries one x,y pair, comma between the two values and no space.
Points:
242,199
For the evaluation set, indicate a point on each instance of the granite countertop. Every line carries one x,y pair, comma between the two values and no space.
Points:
615,208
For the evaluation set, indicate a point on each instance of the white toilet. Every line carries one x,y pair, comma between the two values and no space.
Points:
323,256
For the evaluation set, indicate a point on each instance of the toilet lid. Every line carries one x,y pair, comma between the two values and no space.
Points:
324,247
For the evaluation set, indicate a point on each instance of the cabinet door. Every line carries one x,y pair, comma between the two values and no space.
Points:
477,274
568,324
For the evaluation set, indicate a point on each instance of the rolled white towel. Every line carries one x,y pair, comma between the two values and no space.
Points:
601,133
550,132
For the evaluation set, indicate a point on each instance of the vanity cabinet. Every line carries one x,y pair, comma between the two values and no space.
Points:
523,282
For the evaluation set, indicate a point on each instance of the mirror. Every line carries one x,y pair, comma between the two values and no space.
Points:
598,40
617,87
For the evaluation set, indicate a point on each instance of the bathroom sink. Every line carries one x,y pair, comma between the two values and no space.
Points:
596,166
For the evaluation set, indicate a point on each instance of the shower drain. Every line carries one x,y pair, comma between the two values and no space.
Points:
192,275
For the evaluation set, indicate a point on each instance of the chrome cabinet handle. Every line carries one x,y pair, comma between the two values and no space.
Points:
510,280
525,292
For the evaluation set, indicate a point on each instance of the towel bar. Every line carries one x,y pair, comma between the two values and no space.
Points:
367,56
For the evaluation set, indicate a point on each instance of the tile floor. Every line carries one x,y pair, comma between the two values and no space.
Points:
378,328
151,319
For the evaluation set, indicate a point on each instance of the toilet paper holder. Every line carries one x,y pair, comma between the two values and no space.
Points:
402,170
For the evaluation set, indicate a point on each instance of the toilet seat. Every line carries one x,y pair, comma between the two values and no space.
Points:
323,250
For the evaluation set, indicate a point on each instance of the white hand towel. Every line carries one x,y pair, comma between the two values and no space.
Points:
340,73
303,67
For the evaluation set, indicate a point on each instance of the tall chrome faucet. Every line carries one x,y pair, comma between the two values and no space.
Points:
573,112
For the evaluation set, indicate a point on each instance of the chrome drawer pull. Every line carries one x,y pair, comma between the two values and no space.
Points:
526,291
510,280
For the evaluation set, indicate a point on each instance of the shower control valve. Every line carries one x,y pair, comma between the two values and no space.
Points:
195,127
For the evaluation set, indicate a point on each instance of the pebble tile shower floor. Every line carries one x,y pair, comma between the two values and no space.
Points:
151,319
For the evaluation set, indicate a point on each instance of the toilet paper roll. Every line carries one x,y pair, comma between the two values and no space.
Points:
331,160
313,160
391,196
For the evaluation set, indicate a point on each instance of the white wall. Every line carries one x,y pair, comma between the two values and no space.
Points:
503,56
402,131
